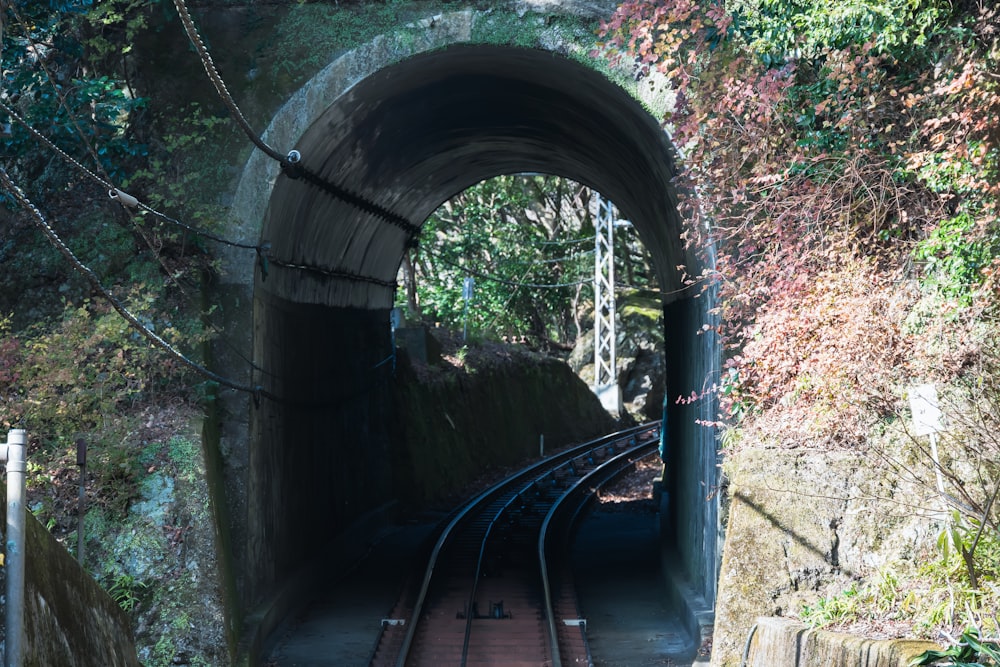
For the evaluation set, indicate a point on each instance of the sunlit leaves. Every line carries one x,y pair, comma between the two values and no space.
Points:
819,138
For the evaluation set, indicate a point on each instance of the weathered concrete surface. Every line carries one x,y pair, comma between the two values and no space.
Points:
69,620
453,424
803,526
407,136
779,642
408,120
690,448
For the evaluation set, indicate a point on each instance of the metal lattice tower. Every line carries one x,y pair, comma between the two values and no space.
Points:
605,366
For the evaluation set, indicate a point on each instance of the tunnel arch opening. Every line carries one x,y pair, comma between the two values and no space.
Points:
400,142
512,259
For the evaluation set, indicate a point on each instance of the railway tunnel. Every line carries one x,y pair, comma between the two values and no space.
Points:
378,159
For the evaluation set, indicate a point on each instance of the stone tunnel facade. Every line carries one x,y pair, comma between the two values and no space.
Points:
404,127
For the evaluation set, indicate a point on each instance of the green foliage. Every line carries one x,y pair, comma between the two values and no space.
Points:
955,253
180,178
77,375
970,651
113,26
125,590
970,552
61,89
527,243
833,609
776,28
511,29
312,34
505,233
822,138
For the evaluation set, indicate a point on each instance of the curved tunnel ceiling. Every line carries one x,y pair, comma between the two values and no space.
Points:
416,133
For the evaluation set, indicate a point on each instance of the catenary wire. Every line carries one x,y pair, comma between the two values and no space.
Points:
507,281
291,163
151,336
114,191
261,249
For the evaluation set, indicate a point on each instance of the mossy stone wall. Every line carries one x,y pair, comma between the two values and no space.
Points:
69,620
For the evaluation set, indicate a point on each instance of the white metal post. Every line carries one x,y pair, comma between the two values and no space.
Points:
14,453
605,365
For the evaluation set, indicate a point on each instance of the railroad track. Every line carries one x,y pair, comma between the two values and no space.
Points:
497,589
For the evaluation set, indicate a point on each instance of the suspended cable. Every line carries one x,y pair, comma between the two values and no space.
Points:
294,169
513,293
555,260
528,241
220,85
124,198
585,239
151,336
128,201
291,163
506,281
332,273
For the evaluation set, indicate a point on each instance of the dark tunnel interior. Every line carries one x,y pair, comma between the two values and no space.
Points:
401,142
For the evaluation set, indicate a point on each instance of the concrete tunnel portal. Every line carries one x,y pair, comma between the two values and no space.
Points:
404,140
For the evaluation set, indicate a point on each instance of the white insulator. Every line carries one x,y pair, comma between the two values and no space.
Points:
124,198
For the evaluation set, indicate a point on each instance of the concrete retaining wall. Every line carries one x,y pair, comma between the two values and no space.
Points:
804,526
69,620
779,642
456,424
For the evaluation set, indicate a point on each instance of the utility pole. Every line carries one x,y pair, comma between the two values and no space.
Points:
605,365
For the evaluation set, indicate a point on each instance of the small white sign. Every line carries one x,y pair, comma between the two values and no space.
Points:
926,413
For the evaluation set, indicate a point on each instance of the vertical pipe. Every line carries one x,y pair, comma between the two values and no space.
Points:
14,563
80,508
81,501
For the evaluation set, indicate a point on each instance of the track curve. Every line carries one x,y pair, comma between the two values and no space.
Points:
495,591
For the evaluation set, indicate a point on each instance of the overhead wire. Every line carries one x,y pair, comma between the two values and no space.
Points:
537,242
583,239
505,281
555,260
122,310
291,163
116,193
126,200
220,86
334,273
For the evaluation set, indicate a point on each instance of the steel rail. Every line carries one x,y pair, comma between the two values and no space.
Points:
517,495
488,495
469,615
607,471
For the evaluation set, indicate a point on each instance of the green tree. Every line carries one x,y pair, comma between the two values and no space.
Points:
527,242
